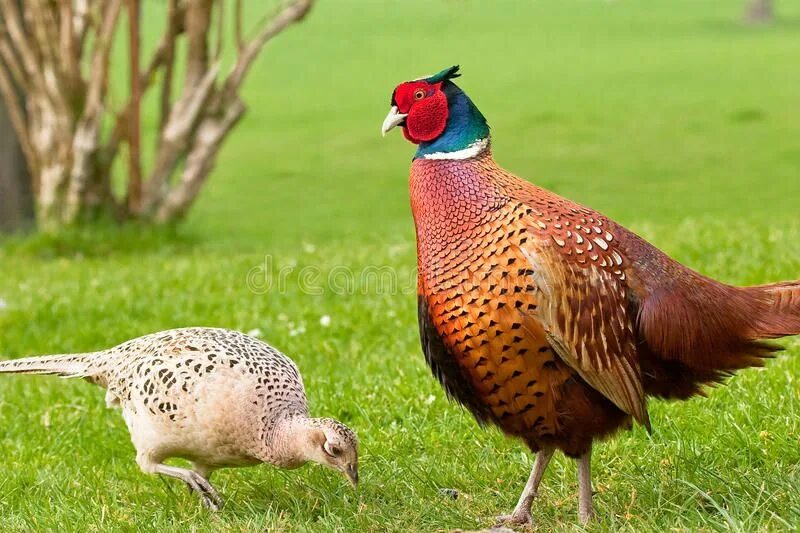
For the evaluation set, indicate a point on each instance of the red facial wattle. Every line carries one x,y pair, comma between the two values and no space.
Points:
426,107
408,136
428,117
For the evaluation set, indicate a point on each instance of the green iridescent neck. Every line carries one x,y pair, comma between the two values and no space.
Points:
466,131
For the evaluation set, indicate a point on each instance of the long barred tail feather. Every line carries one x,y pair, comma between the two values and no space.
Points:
782,315
68,365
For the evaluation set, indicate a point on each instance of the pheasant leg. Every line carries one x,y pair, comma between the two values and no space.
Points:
203,471
522,512
585,511
197,483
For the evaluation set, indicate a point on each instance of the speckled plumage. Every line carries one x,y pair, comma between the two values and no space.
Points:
216,397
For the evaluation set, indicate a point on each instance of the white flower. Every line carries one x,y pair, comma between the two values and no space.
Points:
255,333
325,321
3,304
299,330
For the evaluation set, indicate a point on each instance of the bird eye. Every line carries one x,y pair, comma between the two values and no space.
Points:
419,94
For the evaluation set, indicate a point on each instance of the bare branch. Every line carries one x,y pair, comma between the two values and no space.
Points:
80,24
211,131
16,115
163,56
175,138
86,140
174,28
59,53
44,30
10,60
200,162
20,40
198,20
238,18
69,55
100,58
293,12
220,30
134,198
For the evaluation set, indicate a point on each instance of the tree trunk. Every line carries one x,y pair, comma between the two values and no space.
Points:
16,199
759,12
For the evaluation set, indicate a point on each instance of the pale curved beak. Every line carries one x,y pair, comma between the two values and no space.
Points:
352,475
392,119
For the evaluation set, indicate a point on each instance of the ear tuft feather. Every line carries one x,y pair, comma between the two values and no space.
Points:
446,74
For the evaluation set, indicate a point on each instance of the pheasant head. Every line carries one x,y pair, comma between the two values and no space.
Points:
439,117
327,442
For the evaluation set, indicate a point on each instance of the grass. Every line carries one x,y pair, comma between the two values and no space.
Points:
669,117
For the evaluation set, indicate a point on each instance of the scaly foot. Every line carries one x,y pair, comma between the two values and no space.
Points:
515,519
210,498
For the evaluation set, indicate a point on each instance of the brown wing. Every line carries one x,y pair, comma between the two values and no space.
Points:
586,315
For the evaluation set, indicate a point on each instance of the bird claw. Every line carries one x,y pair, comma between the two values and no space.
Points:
210,503
516,519
210,498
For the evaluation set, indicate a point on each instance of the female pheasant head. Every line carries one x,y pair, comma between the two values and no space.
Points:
439,117
330,443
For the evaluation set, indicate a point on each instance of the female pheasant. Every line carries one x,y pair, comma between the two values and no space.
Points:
216,397
546,318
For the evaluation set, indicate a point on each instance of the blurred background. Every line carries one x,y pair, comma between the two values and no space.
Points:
679,119
647,111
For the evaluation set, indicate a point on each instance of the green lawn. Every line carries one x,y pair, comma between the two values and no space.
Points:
670,117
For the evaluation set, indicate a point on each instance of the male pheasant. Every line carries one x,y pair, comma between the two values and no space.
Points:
546,318
216,397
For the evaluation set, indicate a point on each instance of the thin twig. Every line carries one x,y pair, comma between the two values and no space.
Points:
10,60
85,148
198,21
220,30
293,12
20,41
134,197
100,58
199,162
44,30
69,54
80,24
174,28
238,18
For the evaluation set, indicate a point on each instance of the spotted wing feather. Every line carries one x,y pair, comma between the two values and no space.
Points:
586,315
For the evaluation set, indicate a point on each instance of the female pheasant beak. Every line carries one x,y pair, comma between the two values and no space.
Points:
394,118
351,472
